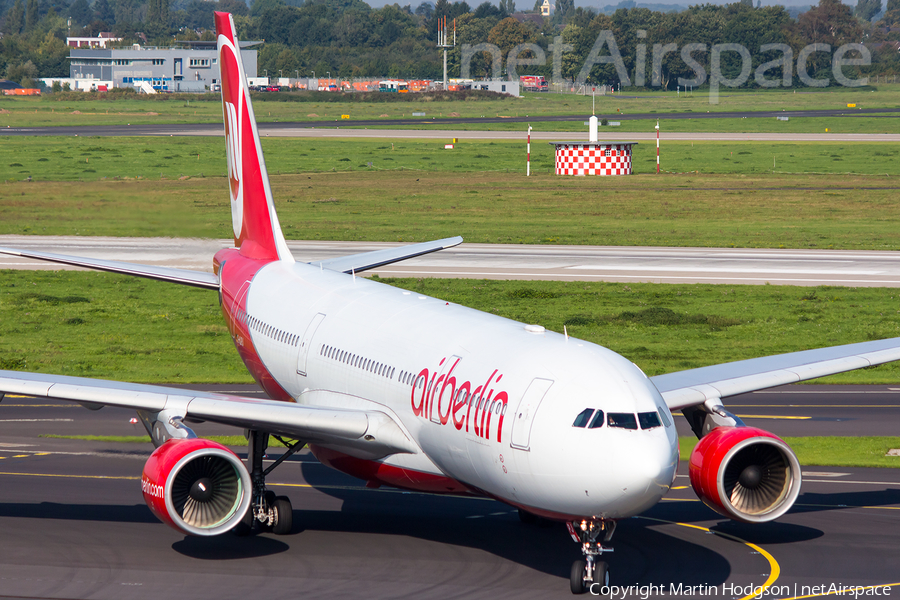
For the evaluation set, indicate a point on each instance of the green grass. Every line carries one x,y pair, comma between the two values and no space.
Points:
47,111
109,326
94,159
831,451
824,195
828,451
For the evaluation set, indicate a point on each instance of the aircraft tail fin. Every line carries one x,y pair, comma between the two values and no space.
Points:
256,229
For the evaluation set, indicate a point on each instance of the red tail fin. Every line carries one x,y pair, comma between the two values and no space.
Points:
256,229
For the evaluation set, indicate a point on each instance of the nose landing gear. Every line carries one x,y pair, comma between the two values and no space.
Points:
590,571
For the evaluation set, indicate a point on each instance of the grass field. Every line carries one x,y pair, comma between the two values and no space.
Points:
94,158
827,451
827,195
831,451
47,111
102,325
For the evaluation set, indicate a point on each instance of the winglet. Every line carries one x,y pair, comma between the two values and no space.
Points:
256,229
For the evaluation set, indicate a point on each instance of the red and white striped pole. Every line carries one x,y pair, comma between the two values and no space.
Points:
528,159
657,147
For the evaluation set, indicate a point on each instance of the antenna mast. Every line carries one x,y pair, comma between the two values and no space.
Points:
443,41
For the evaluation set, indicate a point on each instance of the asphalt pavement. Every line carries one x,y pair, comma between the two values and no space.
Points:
730,266
75,526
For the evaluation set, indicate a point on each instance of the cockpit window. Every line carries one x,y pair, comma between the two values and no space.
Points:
623,420
662,415
597,421
583,417
648,420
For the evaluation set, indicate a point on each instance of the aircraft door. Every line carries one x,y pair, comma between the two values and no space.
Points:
524,415
306,342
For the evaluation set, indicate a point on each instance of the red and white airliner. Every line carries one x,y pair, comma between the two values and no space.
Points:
405,390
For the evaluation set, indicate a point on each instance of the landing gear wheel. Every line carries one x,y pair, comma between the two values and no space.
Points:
576,577
601,573
284,516
527,517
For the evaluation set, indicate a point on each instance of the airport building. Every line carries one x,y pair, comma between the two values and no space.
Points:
189,67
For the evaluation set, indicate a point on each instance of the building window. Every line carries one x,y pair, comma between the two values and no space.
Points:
199,62
121,62
607,152
159,61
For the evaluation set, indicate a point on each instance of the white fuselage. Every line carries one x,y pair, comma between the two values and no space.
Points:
490,402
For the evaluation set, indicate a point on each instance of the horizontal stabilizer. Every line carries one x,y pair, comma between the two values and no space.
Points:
696,386
357,263
182,276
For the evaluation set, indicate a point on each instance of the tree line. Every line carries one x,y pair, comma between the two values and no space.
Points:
349,39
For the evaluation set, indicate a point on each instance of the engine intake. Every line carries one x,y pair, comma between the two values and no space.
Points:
196,486
745,473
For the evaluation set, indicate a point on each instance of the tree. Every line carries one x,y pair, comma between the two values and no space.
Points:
104,12
508,6
892,13
31,15
563,8
15,19
158,13
866,9
81,12
425,10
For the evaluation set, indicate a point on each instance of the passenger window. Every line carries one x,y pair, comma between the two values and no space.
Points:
597,421
648,420
583,417
622,420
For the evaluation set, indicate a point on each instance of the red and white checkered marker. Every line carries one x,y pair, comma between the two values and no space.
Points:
589,159
133,421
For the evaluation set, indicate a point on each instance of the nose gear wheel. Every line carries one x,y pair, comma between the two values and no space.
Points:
589,573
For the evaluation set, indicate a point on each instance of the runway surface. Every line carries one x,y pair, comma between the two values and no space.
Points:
499,261
340,129
75,526
443,127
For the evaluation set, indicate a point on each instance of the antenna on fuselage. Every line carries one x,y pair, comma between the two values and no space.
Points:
566,332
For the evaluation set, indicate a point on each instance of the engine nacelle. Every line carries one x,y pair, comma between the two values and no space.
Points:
196,486
745,473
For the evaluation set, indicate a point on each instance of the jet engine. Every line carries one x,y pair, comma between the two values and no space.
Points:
196,486
745,474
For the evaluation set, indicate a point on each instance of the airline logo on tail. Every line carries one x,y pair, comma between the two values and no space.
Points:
256,229
232,96
233,154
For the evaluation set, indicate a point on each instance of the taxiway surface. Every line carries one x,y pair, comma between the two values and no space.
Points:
75,526
514,261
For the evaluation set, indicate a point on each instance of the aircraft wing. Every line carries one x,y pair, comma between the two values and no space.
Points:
695,386
183,276
369,432
370,260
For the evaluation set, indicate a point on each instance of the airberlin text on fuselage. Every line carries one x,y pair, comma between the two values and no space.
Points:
441,395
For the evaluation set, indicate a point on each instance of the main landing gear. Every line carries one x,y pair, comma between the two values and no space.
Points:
267,511
591,534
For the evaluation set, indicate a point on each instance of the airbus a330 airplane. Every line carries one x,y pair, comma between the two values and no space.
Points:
409,391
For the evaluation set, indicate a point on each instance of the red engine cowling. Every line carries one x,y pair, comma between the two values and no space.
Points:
196,486
745,473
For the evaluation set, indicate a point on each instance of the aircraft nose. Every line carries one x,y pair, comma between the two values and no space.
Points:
645,471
